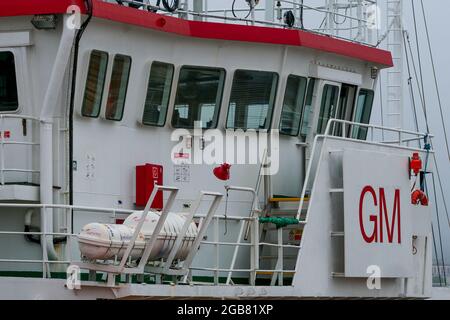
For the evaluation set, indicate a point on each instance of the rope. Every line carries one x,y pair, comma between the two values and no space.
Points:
439,229
418,54
233,10
411,88
442,189
417,83
428,145
436,254
435,79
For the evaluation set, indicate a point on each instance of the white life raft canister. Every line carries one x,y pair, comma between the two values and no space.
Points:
99,241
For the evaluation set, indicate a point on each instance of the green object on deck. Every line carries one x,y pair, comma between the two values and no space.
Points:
280,222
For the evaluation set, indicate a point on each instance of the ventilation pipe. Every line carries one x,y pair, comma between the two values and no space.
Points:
46,132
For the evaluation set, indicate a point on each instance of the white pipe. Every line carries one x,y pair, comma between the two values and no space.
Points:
28,216
46,133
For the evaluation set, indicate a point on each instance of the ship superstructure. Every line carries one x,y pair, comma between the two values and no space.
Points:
173,151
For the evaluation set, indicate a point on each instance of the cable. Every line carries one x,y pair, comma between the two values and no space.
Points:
417,82
301,15
441,188
435,79
234,11
174,4
411,88
344,20
439,228
436,254
418,57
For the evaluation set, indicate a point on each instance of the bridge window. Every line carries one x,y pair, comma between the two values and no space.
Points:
158,94
93,93
363,112
252,99
294,98
308,110
199,96
118,87
328,108
8,84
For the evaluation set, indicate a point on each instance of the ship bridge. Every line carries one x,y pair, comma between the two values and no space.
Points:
92,94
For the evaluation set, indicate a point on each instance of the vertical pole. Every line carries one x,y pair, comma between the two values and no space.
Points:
198,7
395,74
331,7
255,250
46,185
216,240
269,14
236,249
280,264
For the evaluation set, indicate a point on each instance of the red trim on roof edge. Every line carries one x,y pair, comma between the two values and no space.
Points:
9,8
206,30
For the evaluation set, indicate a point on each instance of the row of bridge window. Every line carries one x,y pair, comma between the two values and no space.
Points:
200,92
199,96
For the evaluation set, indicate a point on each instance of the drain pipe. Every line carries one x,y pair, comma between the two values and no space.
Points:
46,134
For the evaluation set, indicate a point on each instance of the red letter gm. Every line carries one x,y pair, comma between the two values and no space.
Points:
380,220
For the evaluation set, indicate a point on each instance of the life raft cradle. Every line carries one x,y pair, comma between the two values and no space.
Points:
123,269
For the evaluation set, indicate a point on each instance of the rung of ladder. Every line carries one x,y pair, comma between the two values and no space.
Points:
270,273
276,257
338,274
272,200
336,190
337,234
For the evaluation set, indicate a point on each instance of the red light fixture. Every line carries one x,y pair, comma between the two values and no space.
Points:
415,163
222,172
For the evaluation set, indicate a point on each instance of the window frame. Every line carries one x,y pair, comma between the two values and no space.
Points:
126,88
274,102
358,129
170,95
321,126
103,86
311,88
302,108
219,97
18,86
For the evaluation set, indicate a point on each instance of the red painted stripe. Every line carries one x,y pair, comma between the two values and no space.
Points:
206,30
9,8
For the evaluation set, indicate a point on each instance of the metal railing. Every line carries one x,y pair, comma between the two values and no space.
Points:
253,244
352,13
352,130
6,142
342,129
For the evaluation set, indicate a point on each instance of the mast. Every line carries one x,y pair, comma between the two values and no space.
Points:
395,75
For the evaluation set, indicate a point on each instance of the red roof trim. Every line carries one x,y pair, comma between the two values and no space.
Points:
206,30
9,8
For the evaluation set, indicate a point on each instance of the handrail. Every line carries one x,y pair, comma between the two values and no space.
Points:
328,134
99,210
373,126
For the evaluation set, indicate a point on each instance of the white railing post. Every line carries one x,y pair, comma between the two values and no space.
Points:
216,246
